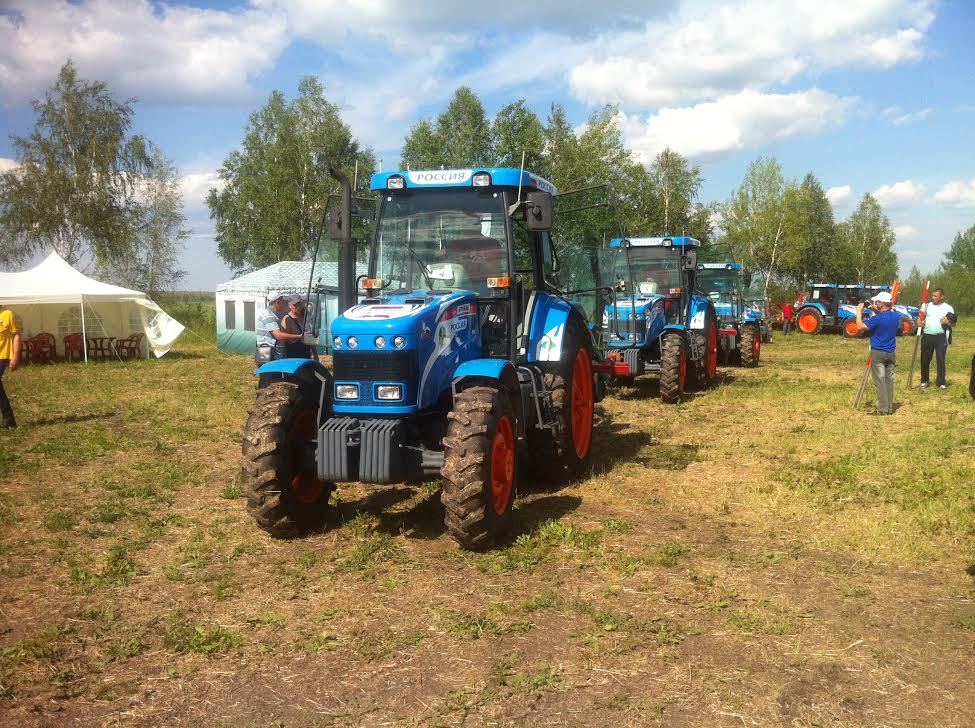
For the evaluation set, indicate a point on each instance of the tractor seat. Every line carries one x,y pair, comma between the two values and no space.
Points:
481,257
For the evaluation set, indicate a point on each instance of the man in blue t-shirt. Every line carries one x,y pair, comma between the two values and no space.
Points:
883,327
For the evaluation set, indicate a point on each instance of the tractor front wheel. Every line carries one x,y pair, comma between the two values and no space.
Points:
849,328
285,499
809,321
480,467
749,346
673,367
706,368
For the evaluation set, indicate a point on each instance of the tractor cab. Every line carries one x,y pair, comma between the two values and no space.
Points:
740,325
471,339
655,323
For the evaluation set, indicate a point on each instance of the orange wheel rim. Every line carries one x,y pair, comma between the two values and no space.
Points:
906,326
682,377
307,488
807,322
712,350
851,328
582,403
756,348
502,465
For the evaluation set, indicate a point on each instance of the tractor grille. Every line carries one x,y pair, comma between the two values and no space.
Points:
383,366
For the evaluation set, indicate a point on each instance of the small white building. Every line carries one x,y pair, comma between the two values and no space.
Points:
240,300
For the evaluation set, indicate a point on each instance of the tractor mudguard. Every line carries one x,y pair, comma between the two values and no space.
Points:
818,306
675,327
550,319
699,310
291,367
494,370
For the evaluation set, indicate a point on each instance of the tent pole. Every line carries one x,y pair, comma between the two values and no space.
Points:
84,334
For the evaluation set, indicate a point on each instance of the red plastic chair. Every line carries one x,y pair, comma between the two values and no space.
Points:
130,347
43,348
74,347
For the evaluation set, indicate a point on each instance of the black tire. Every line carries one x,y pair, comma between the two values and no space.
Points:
809,321
283,500
476,512
555,457
673,367
703,374
749,346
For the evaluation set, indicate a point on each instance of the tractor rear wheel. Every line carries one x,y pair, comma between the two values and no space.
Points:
849,328
285,499
480,467
705,369
906,327
809,321
749,346
673,367
559,457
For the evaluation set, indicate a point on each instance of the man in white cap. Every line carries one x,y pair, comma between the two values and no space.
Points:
269,330
883,327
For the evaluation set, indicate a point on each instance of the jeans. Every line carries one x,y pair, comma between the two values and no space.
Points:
6,411
882,368
933,344
786,326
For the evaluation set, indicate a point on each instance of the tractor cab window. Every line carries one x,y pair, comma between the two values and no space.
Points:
655,271
451,239
721,286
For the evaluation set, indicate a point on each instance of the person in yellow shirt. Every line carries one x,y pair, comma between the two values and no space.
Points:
9,357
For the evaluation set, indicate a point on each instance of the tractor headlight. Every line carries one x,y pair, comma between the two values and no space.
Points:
396,182
353,342
380,342
399,341
337,342
346,391
481,179
389,391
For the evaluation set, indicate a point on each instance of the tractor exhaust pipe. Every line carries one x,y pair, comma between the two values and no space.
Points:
340,229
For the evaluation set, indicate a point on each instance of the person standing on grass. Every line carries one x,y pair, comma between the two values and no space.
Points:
269,329
883,327
786,317
938,315
294,323
9,359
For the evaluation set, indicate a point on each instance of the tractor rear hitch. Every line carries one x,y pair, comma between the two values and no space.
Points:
612,367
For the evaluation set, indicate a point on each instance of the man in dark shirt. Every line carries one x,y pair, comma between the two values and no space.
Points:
883,327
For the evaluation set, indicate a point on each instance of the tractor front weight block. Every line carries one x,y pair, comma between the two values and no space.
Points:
371,450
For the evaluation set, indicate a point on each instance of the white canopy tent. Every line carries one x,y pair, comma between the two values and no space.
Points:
55,298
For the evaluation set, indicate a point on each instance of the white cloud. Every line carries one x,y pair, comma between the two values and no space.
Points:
744,120
7,164
904,231
959,193
898,117
143,49
705,52
195,187
839,195
899,194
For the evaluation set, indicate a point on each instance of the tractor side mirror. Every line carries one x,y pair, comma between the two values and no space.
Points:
336,224
539,211
690,260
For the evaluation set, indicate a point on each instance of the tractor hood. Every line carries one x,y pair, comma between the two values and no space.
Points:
413,315
633,308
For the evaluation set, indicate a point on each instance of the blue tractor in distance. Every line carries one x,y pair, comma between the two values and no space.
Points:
739,325
453,357
832,306
656,323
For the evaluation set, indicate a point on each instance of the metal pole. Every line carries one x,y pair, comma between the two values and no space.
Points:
84,332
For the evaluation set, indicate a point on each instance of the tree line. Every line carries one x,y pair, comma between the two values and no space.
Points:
88,188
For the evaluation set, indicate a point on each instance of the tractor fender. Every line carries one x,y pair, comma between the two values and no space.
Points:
501,371
818,306
674,327
549,323
308,373
699,311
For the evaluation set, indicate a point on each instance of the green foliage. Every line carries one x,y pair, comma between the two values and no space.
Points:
460,138
865,245
962,251
518,130
75,187
276,186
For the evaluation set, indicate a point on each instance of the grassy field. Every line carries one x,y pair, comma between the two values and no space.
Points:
761,554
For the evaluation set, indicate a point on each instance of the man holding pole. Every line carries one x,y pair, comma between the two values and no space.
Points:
934,340
883,327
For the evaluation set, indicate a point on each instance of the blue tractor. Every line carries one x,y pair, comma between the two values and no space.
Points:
832,306
656,323
453,357
739,325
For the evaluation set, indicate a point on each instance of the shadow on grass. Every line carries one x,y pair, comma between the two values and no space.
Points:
68,419
613,443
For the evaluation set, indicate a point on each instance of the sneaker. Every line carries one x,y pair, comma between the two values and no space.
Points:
924,385
942,386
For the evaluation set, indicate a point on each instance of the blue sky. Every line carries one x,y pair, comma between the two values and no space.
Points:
870,95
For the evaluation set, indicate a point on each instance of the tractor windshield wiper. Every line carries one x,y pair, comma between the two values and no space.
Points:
423,267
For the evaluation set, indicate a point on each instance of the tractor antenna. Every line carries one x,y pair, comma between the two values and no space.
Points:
521,174
380,165
355,175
